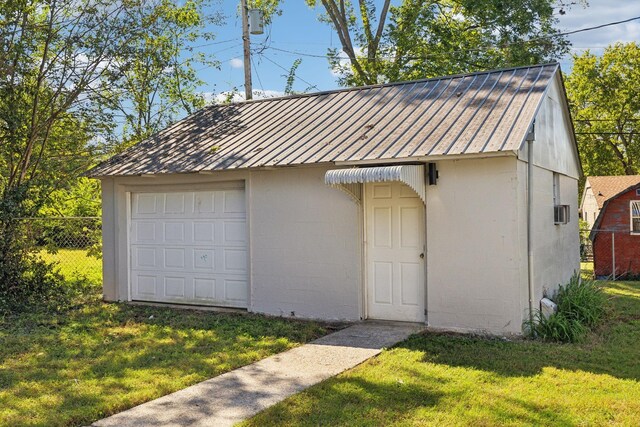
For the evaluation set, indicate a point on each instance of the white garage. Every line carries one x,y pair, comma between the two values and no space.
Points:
427,201
189,247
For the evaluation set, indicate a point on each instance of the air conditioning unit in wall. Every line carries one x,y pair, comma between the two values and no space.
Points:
561,214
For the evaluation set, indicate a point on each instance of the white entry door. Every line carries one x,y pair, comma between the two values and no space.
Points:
395,252
189,247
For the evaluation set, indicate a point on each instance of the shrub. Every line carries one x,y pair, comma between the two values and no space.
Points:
556,327
27,283
582,301
581,307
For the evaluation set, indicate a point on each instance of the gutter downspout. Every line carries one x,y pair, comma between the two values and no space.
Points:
530,139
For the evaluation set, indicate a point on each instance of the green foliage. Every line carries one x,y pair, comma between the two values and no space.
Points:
156,78
603,94
420,39
71,218
581,301
291,77
74,77
80,199
581,307
269,8
27,283
556,327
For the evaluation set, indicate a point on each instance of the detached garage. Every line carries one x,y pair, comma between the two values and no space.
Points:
450,201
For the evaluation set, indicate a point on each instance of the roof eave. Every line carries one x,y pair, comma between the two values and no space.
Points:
423,159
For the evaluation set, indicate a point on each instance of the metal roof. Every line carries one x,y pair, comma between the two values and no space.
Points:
485,112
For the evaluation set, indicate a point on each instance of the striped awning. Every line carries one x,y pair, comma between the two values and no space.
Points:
348,179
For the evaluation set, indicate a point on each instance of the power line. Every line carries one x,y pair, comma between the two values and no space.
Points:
215,43
606,133
550,36
257,75
599,26
311,85
605,120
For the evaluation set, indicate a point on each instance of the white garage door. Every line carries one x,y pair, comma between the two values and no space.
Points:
189,247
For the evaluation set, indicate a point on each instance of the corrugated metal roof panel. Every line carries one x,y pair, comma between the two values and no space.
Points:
485,112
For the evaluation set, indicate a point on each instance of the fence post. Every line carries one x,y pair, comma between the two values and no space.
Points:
613,253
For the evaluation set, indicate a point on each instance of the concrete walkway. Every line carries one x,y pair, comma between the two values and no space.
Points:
242,393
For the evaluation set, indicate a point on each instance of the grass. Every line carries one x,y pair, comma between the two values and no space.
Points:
99,358
586,270
75,263
445,379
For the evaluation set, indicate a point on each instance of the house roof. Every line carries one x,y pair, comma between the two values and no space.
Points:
633,182
607,187
478,113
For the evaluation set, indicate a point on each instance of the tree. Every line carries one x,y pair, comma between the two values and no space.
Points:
51,52
55,57
419,39
155,80
605,103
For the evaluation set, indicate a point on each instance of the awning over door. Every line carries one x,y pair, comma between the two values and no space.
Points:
349,180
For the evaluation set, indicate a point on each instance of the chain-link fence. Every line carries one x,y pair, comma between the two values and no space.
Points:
74,244
615,253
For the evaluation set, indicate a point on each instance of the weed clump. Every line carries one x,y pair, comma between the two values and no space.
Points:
581,307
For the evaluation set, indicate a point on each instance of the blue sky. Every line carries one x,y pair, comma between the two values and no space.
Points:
298,30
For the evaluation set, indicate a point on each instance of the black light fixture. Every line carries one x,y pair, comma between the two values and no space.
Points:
433,174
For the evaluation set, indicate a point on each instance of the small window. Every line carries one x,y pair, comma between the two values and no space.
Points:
560,212
635,216
637,191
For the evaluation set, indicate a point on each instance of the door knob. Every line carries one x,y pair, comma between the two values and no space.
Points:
422,255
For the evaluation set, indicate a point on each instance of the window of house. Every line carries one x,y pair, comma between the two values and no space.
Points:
560,211
635,216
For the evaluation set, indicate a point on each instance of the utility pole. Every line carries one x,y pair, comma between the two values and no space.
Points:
247,52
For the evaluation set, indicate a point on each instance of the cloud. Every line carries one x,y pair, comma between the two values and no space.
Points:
601,12
597,13
236,63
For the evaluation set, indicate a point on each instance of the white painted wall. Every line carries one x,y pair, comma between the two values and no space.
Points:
306,246
304,239
475,249
555,147
556,247
589,205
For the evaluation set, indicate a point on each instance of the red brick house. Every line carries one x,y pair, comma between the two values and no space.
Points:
616,231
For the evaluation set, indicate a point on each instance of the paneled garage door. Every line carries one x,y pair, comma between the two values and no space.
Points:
189,247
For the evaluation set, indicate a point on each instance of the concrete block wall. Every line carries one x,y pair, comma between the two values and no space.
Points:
306,246
474,247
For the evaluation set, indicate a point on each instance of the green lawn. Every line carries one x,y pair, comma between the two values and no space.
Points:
99,359
444,379
75,263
